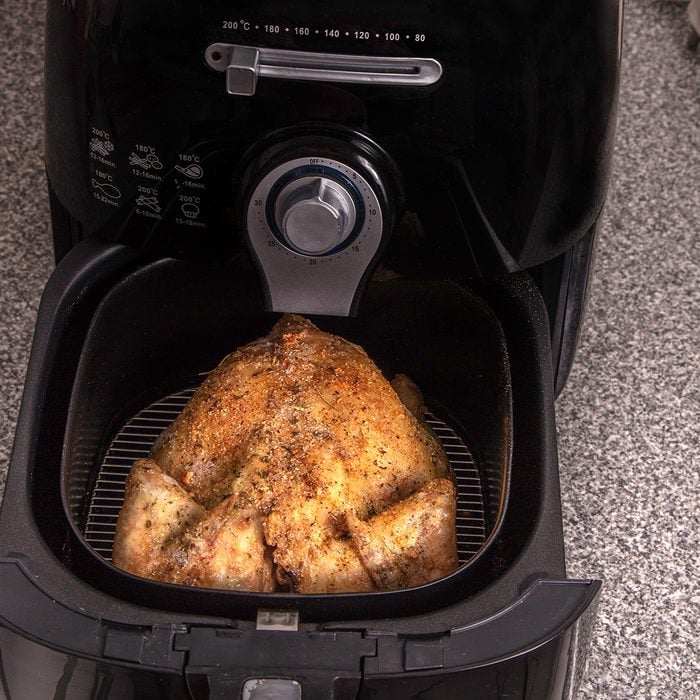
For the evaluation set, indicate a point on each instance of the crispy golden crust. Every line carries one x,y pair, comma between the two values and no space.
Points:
412,542
226,549
156,508
301,428
164,535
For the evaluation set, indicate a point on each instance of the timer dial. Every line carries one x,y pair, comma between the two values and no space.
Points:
317,208
315,215
317,204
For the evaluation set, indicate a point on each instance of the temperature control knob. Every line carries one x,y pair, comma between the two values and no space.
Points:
315,215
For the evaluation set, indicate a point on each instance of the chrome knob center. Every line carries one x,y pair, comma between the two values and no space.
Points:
314,214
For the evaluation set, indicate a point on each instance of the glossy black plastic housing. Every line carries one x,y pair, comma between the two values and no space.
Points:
509,151
505,163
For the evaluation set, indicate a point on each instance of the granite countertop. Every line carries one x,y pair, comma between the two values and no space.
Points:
628,418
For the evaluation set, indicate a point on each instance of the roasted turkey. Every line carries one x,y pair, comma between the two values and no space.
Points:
295,466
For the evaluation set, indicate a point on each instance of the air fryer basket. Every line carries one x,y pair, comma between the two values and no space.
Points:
158,331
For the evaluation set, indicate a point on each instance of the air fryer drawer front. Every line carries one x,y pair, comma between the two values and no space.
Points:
535,649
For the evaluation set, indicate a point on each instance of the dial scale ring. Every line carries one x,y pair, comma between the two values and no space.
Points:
263,230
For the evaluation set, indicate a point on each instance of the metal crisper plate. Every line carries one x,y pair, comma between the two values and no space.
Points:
136,438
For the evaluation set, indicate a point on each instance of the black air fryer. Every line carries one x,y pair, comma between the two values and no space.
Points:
423,178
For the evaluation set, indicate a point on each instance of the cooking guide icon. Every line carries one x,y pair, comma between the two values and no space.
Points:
191,211
148,162
193,171
149,201
107,189
102,147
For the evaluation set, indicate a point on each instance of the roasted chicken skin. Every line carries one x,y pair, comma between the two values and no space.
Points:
295,466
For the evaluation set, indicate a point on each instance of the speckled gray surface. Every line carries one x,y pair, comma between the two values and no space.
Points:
628,419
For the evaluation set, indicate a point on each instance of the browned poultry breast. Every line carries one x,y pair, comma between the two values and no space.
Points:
295,466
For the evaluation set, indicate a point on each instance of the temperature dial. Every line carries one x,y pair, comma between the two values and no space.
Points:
315,215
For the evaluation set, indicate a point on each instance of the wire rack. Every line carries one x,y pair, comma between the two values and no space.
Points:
136,438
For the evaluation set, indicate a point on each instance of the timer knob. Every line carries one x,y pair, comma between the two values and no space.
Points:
317,203
314,214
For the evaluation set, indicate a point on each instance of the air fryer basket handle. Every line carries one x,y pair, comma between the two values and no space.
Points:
220,685
256,664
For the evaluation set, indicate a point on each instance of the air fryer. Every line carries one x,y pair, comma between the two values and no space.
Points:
424,180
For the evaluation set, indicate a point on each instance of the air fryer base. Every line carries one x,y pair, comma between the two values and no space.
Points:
525,631
534,649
